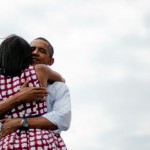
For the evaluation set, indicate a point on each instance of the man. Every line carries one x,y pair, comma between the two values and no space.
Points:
58,91
58,101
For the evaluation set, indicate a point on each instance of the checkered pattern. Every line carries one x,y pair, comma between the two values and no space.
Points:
32,139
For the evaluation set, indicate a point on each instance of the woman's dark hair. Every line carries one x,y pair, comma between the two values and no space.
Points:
15,56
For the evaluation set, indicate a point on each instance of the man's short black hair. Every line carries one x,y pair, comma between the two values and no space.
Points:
49,44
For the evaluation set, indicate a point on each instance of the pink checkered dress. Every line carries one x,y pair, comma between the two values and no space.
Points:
31,139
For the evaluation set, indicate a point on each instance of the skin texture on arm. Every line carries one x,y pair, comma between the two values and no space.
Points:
43,123
44,74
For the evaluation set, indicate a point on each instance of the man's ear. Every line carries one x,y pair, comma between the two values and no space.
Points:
51,61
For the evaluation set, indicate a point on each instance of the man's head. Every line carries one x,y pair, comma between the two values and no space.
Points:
42,51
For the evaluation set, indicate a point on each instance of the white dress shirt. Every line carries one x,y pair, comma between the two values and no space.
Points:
59,106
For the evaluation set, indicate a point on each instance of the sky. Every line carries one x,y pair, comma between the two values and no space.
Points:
102,49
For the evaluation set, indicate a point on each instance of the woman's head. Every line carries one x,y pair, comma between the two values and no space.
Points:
15,55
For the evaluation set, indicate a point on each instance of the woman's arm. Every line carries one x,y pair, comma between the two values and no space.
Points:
54,76
26,94
46,74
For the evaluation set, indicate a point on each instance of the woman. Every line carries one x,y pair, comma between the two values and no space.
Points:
15,69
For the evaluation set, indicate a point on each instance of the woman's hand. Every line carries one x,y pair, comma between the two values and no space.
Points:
9,126
29,94
26,94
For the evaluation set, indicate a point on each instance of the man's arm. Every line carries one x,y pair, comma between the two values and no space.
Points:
11,125
41,123
59,105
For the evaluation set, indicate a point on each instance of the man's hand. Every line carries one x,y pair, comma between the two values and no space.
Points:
9,126
28,94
